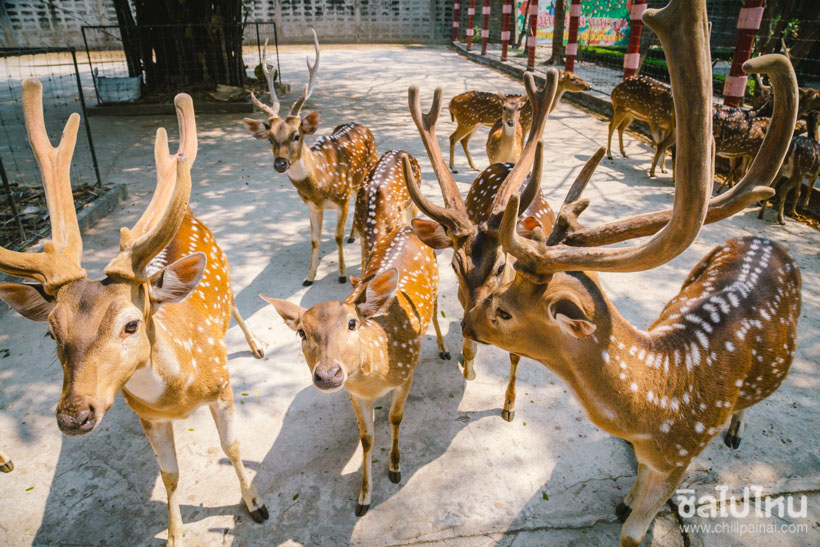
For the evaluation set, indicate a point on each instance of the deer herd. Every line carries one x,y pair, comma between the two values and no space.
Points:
153,328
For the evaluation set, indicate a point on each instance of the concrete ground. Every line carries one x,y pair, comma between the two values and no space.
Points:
469,478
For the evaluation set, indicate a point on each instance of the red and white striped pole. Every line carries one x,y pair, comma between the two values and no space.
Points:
470,24
485,26
456,9
532,34
505,32
747,24
632,57
572,40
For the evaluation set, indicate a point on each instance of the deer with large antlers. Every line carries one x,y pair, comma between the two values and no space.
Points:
646,99
723,344
472,229
328,173
472,109
802,162
154,327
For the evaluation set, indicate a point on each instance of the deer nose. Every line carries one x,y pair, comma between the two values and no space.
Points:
79,421
328,378
281,165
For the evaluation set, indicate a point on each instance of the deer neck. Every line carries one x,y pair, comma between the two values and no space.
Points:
369,380
506,143
303,169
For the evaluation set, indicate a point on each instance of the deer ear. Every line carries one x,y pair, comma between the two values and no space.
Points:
290,312
571,318
259,130
501,95
175,282
379,294
28,299
309,123
432,233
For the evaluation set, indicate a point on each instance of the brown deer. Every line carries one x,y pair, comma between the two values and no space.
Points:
370,342
154,327
6,465
723,344
737,138
471,230
643,98
328,173
802,162
472,109
506,138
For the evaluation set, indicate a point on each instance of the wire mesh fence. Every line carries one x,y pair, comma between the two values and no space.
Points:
23,214
168,61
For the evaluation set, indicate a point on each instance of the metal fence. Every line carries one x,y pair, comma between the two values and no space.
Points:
107,58
23,215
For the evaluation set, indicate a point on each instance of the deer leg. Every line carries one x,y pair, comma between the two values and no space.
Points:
364,416
625,507
396,412
797,183
617,117
256,347
460,132
316,215
653,493
340,237
655,159
365,253
468,351
222,412
6,465
809,191
784,190
664,145
442,347
465,143
508,413
623,126
161,437
736,427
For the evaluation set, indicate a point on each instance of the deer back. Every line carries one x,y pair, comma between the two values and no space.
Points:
735,136
803,158
646,99
482,108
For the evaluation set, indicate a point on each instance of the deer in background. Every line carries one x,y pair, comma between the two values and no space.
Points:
471,230
472,109
370,342
737,138
723,344
802,162
154,327
328,173
6,465
646,99
506,138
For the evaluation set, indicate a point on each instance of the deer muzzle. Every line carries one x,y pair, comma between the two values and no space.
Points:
281,165
329,376
77,415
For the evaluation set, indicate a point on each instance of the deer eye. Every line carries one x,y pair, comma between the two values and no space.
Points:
351,325
500,269
301,334
131,327
502,314
296,137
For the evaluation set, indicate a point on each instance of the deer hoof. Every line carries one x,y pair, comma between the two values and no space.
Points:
445,355
623,511
454,170
395,476
732,441
342,279
7,467
351,239
508,415
260,515
307,282
361,509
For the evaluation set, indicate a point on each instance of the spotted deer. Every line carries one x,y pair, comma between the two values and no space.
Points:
723,344
326,174
472,109
471,230
370,342
506,138
738,136
802,162
646,99
154,327
6,465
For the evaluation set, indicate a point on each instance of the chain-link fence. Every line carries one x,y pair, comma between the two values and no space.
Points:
23,214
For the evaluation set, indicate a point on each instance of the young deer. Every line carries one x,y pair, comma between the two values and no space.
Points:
720,346
154,327
6,465
370,343
478,260
802,162
646,99
328,173
506,138
472,109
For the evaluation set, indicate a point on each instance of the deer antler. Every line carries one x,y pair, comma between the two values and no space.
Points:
683,31
453,216
297,106
272,112
163,217
59,262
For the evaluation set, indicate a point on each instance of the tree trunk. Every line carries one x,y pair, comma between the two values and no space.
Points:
128,33
557,57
